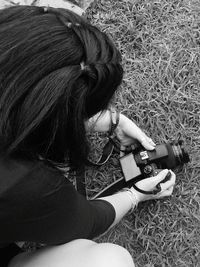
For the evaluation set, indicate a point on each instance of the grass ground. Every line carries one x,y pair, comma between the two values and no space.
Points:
160,46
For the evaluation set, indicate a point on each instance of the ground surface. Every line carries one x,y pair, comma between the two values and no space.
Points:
160,46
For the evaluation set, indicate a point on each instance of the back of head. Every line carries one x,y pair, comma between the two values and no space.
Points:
56,71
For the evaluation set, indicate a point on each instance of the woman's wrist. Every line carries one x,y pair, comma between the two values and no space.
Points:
132,197
123,202
140,197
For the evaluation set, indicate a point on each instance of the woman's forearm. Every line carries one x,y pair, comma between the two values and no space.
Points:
122,204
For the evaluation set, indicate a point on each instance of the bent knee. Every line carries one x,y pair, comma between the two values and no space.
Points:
100,254
109,255
81,252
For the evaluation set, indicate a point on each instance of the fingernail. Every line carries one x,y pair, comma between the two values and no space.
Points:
151,147
153,143
165,170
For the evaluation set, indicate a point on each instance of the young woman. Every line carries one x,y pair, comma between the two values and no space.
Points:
58,75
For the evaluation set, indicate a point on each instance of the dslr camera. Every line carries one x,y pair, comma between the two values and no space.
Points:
137,163
140,163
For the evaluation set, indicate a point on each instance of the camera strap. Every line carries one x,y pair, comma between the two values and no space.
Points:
80,175
152,192
106,154
111,146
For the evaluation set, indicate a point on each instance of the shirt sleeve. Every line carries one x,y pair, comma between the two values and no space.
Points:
46,208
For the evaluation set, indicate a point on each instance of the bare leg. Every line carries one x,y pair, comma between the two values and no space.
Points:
77,253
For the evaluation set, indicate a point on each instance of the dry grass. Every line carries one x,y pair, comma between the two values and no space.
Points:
160,46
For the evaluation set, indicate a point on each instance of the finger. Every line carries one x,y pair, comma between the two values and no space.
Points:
169,189
147,142
166,193
136,133
161,176
151,141
169,183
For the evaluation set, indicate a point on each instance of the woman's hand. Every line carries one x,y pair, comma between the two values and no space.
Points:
127,131
150,183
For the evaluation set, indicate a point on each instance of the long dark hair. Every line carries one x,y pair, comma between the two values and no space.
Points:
56,71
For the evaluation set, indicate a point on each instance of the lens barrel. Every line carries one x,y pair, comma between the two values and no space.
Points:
180,153
177,155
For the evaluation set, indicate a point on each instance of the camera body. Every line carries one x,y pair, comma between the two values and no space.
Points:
145,163
137,163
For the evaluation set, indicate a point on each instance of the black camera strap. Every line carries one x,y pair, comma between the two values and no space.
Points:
80,175
152,192
111,145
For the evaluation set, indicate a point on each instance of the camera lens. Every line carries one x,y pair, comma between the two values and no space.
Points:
168,155
180,154
177,154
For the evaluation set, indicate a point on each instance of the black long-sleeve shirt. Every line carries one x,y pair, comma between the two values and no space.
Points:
39,204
